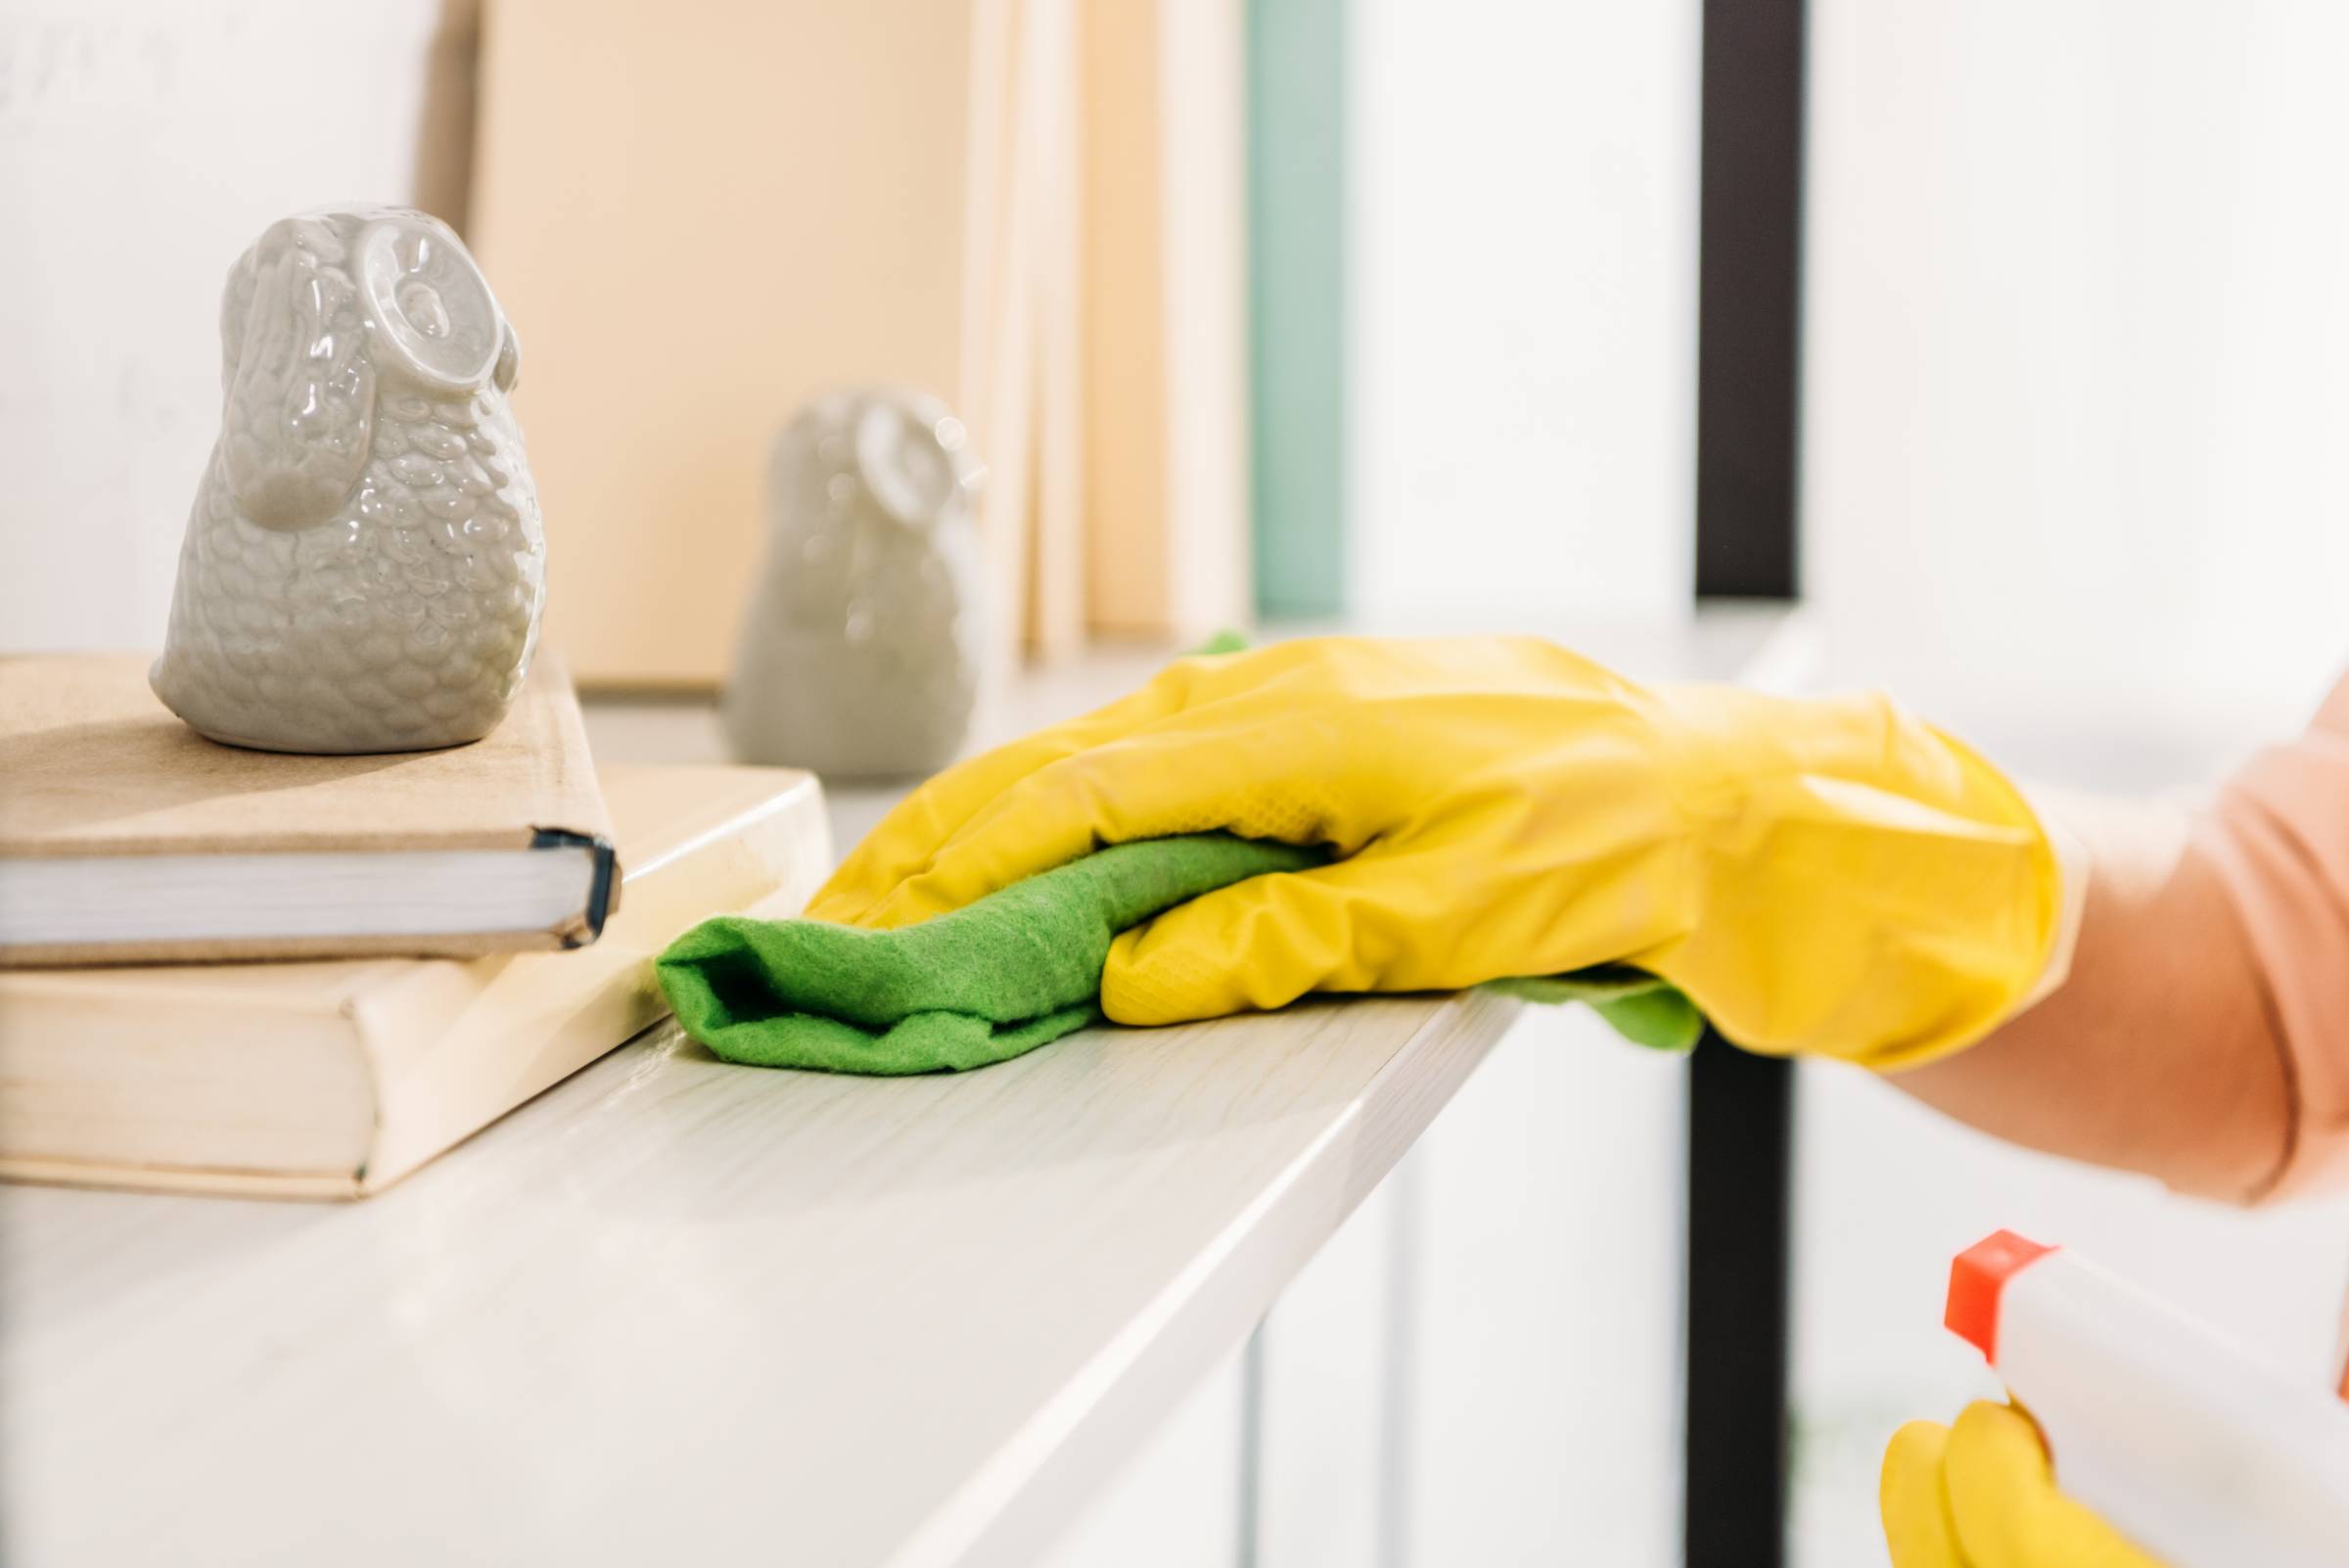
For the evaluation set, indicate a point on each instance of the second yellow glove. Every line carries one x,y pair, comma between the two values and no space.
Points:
1982,1494
1826,876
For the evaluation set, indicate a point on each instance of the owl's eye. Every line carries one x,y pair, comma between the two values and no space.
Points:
421,304
437,319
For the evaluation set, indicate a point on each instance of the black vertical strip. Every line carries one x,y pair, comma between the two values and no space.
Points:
1749,299
1741,1107
1740,1143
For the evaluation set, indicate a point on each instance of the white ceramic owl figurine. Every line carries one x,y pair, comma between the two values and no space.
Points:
859,650
364,567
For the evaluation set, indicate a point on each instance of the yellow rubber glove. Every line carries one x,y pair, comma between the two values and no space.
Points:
1817,875
1981,1494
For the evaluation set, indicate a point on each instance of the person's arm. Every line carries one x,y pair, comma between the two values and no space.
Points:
1825,877
2203,1034
2158,1053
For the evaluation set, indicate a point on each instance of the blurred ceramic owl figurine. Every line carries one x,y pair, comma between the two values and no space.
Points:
859,650
364,567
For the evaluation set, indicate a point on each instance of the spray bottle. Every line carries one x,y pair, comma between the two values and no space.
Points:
2183,1440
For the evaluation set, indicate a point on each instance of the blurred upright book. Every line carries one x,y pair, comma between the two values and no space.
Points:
699,215
1032,209
332,1078
1166,317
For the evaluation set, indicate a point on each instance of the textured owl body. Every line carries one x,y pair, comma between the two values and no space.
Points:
859,652
403,623
364,566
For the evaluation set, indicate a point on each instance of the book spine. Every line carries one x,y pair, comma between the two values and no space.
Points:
603,884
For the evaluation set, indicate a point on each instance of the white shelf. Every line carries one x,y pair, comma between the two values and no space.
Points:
676,1311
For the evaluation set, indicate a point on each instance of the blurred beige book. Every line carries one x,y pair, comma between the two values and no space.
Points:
704,214
699,216
1165,468
334,1078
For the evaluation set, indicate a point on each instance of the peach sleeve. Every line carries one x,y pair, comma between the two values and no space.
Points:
2279,836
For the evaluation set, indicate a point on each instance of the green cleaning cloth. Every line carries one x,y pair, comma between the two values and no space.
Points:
1004,975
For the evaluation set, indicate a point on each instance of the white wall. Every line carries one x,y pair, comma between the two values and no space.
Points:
1547,1412
1523,255
2077,299
143,145
2077,302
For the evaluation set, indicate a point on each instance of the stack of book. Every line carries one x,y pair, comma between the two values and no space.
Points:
304,976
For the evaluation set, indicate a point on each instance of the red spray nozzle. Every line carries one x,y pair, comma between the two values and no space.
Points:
1976,1277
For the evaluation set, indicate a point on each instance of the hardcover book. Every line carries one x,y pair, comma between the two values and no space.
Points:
331,1078
128,837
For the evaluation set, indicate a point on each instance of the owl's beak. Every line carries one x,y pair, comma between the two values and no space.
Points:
509,361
